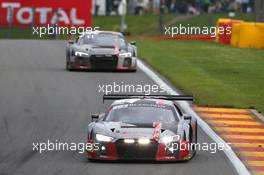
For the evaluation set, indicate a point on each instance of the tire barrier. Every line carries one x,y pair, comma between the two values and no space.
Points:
243,35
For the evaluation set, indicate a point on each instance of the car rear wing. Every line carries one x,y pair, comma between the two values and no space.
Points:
162,97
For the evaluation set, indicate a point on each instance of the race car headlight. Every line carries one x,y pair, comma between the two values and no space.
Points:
169,139
103,138
144,141
127,54
80,54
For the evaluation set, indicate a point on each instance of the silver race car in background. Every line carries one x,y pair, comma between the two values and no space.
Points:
101,50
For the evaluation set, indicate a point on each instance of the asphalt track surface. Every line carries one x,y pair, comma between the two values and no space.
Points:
40,101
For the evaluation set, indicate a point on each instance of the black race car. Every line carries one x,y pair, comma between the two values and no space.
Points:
141,127
101,50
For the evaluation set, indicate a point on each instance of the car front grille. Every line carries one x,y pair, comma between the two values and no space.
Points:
82,60
103,62
136,151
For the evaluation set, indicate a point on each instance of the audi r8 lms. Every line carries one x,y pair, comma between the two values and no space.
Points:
101,50
143,127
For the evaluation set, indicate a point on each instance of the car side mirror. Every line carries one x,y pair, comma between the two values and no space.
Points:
187,117
71,42
95,117
101,115
133,43
126,33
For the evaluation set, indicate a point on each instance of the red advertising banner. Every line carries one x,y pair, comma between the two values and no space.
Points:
43,12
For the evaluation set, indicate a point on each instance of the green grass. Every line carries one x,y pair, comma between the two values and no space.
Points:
137,25
216,75
146,25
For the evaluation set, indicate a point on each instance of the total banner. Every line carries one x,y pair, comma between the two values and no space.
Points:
41,13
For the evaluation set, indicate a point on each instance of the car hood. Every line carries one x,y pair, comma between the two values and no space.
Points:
100,50
136,130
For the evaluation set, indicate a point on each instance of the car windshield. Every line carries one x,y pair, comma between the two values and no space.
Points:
104,39
141,113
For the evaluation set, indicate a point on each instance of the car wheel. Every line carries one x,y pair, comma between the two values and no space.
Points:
91,160
133,70
196,133
184,137
69,66
190,134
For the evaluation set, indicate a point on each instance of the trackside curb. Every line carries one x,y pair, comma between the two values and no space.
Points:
242,129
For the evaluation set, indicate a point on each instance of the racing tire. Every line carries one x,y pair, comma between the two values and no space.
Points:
133,70
68,66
